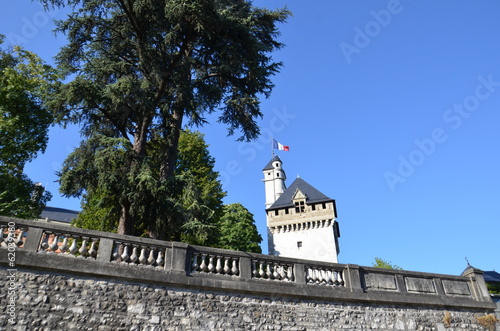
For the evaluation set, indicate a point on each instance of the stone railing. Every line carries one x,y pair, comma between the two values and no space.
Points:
62,248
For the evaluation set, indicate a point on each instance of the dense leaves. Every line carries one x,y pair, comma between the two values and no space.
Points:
192,202
139,70
238,231
24,121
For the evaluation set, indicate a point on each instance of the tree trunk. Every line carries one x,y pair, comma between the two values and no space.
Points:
126,222
168,165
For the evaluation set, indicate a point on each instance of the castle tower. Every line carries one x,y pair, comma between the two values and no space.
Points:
301,221
274,180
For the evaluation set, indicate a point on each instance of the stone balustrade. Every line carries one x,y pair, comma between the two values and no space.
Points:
68,249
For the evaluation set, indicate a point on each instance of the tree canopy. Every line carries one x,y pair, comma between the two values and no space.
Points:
140,70
196,199
381,263
24,122
238,231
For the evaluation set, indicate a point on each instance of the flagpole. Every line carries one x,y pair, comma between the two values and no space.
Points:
272,147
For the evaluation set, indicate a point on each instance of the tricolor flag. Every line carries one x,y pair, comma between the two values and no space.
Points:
280,147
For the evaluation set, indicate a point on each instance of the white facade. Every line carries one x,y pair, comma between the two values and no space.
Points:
301,221
274,181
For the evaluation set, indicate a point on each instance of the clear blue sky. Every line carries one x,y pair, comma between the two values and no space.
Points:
389,107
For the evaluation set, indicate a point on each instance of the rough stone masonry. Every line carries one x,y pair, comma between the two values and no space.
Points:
55,301
56,277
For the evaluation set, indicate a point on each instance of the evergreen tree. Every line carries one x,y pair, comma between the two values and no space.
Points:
138,70
237,230
24,122
195,201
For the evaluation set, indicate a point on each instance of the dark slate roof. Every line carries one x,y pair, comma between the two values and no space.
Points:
269,166
313,195
59,214
491,277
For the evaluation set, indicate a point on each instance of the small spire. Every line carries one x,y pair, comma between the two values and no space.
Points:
298,176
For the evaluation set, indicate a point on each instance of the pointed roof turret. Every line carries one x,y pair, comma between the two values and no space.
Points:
269,166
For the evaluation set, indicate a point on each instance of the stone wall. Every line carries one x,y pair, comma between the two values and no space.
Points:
63,278
56,301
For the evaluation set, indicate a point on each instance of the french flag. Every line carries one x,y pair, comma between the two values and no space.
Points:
280,147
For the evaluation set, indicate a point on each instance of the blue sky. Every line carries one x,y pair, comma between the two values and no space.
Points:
389,107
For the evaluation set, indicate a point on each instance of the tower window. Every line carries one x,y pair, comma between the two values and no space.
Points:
299,207
276,212
299,244
313,207
277,165
286,211
277,174
324,205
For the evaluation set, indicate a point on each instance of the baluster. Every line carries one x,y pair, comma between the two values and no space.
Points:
218,267
335,278
151,258
321,276
317,273
275,271
2,234
203,265
64,246
329,280
211,263
254,268
226,265
93,250
45,242
159,259
55,241
290,274
308,275
281,271
340,281
142,257
19,241
234,269
133,256
125,255
73,249
261,269
194,266
83,249
313,275
269,273
115,254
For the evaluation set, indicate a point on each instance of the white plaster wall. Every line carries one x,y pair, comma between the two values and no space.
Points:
317,244
274,185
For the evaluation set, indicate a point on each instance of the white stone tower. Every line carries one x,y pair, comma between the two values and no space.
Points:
301,221
274,180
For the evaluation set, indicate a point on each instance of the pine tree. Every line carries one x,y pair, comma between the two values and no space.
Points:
139,70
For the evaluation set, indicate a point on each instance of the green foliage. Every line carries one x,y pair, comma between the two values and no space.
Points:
25,82
493,288
238,231
138,69
381,263
192,202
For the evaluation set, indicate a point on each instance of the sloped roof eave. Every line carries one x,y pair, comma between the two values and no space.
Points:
289,205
